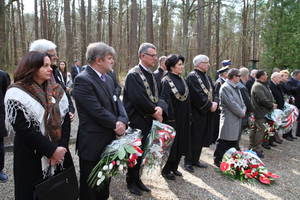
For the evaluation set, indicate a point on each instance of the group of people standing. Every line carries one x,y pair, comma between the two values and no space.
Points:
39,110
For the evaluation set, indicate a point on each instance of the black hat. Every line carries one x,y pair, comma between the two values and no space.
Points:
223,69
226,62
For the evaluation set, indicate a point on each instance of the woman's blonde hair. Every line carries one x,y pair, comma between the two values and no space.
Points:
282,72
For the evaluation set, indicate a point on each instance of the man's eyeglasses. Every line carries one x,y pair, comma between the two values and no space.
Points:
238,75
53,55
152,55
205,62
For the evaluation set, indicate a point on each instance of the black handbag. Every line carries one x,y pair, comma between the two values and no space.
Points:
61,186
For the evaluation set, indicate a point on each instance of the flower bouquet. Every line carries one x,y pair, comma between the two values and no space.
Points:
246,129
119,154
269,130
158,145
290,115
245,165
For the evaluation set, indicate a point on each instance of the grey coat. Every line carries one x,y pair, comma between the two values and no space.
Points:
232,110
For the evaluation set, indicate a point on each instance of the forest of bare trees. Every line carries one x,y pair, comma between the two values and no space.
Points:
240,30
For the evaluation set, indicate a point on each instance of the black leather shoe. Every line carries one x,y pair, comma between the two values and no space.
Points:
279,142
260,154
217,163
134,189
289,139
200,165
294,138
177,173
265,145
272,145
141,186
189,168
168,176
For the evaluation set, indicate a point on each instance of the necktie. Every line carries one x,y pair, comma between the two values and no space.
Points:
103,78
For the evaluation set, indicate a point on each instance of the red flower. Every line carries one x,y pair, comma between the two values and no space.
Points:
265,140
255,174
272,175
224,166
264,180
249,175
114,163
253,166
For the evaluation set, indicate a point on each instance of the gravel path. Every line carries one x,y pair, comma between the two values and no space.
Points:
283,160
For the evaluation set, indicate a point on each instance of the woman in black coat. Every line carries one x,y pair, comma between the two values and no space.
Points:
37,111
179,116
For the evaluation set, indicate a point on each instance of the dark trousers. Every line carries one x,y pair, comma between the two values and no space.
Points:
86,192
288,134
2,153
171,166
298,127
221,147
194,158
133,174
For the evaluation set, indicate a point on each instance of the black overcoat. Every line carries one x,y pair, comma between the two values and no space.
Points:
203,118
179,116
4,83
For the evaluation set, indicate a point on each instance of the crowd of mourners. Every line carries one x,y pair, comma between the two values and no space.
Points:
37,106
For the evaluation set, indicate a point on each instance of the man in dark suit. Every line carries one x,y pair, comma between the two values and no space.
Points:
162,69
102,116
251,80
294,85
244,72
4,83
279,98
143,104
76,69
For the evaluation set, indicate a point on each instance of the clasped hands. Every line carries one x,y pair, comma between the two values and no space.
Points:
158,114
120,128
58,156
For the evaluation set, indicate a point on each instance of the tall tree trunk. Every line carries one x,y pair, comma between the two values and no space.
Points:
36,20
133,34
245,11
13,27
200,27
119,53
208,46
185,22
57,25
254,31
164,26
74,32
8,38
83,32
149,25
42,20
218,35
2,35
89,22
99,20
69,35
110,22
22,35
45,21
